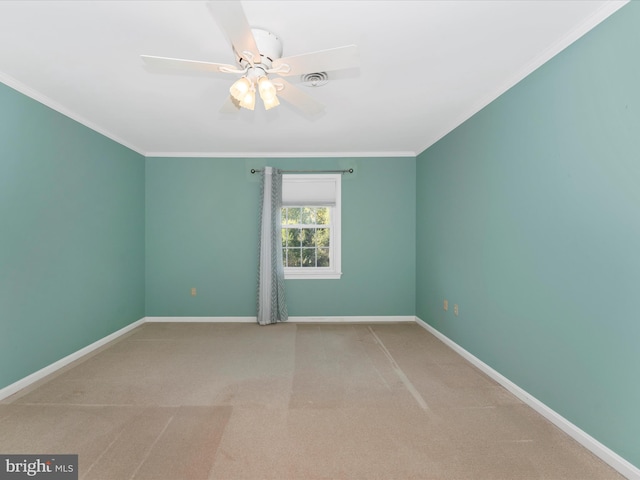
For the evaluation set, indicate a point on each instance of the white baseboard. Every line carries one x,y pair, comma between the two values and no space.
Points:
606,454
200,319
349,319
354,319
63,362
603,452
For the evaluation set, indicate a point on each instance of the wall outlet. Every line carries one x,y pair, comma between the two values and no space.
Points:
194,292
445,305
455,310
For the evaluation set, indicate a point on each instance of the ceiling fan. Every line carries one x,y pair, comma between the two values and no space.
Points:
260,66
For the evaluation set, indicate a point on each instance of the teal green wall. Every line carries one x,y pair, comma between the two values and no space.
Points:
528,218
202,230
72,236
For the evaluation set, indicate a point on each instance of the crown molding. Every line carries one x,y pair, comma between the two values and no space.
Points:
279,154
589,24
46,101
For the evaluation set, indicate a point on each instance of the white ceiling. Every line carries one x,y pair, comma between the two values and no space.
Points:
426,66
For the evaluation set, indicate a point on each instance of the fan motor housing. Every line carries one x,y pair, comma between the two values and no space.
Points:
269,45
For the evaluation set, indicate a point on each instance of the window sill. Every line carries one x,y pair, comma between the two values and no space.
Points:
312,276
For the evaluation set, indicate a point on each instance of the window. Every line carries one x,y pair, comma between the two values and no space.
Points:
306,237
311,226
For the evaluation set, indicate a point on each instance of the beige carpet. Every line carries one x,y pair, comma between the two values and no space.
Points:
287,401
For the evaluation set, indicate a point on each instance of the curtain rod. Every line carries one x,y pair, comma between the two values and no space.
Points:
253,170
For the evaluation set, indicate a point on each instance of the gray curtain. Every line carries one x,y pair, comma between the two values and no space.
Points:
272,306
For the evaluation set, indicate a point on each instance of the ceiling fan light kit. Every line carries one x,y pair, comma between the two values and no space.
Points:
258,54
244,89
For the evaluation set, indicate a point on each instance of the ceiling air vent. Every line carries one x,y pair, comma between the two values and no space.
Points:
315,79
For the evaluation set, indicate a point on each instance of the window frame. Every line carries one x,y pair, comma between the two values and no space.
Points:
334,271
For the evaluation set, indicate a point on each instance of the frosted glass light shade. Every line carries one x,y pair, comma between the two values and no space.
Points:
248,100
268,93
240,88
267,89
269,104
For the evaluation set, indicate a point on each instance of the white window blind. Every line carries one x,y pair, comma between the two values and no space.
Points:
311,190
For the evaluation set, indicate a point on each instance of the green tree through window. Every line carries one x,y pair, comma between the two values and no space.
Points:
306,237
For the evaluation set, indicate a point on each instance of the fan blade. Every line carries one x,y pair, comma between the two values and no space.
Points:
231,18
322,61
296,97
167,62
